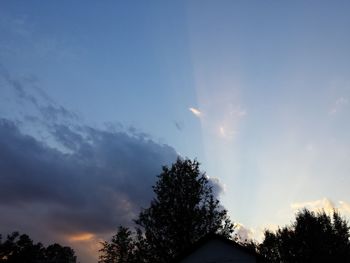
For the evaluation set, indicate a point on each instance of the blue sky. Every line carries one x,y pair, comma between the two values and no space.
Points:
268,84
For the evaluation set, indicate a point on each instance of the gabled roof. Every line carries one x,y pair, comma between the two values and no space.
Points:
211,237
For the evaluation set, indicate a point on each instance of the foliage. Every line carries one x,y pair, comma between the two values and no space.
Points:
21,249
313,237
120,249
57,254
184,210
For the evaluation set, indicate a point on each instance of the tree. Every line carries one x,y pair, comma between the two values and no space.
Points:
313,237
120,249
21,249
57,254
184,210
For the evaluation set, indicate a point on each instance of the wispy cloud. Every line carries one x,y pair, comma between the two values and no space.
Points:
179,125
238,112
228,124
81,237
226,132
24,31
195,111
338,105
224,124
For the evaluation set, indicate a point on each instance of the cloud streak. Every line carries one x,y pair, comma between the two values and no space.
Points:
196,112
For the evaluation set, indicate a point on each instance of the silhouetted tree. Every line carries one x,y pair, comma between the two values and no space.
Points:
120,249
184,210
313,237
57,254
21,249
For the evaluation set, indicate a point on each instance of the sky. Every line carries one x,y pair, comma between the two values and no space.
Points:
96,96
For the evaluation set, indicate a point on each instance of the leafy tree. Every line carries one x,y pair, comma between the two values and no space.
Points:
120,249
142,250
21,249
313,237
184,210
57,254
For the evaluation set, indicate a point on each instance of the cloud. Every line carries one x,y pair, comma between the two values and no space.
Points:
238,112
81,237
21,30
243,234
195,111
66,181
102,183
76,178
228,124
323,204
315,205
94,188
223,124
31,103
54,113
17,86
226,132
217,186
80,196
344,207
338,105
179,125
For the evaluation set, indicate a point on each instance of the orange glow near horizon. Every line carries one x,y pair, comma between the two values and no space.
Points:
81,237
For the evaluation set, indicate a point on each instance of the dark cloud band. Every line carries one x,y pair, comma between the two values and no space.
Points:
100,184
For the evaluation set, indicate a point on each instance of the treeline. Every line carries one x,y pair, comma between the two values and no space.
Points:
185,209
313,237
19,248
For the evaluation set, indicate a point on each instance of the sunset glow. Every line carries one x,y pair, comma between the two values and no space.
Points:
96,97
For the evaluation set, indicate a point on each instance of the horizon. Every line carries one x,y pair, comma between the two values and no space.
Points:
97,97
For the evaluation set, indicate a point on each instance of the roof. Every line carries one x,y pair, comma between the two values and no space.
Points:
210,237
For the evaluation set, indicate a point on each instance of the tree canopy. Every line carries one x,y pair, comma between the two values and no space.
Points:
184,209
21,249
313,237
120,249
